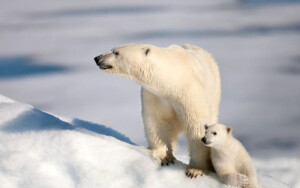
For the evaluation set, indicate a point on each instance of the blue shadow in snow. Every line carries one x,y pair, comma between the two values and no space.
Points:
24,66
267,2
280,144
291,68
116,10
246,31
101,129
36,120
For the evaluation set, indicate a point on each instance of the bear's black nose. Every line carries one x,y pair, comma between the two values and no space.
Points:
203,140
97,60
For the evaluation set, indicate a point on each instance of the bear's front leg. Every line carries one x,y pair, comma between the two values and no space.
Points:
161,134
200,162
162,140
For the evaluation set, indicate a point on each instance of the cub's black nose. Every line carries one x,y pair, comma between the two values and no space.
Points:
203,140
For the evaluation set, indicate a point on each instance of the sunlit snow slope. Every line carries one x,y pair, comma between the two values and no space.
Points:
38,149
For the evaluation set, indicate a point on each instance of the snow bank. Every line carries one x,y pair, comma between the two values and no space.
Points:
38,149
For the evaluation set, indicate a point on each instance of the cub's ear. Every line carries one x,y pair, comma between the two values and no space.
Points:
229,130
147,50
206,127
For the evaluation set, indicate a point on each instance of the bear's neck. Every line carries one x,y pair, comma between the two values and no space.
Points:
174,89
166,91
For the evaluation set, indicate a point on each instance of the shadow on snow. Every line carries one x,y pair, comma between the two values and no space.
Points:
114,10
36,120
266,2
24,66
101,129
246,31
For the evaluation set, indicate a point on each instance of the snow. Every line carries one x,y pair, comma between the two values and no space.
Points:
38,149
46,60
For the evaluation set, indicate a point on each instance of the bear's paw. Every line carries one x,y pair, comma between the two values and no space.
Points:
242,180
194,172
169,159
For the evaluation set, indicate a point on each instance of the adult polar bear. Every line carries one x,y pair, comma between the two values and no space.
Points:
180,92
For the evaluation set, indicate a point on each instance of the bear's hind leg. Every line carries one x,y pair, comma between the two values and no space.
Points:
235,179
200,162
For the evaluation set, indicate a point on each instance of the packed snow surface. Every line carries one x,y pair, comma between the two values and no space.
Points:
40,150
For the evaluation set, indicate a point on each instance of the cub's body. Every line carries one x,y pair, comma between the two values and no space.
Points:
230,159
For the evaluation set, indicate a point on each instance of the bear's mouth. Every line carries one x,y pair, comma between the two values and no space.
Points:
105,66
100,63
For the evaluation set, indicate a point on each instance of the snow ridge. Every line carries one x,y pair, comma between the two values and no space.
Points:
38,149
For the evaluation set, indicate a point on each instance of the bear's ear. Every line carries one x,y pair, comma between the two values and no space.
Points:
147,50
206,127
229,130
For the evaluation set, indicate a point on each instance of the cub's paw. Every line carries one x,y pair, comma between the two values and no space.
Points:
242,180
167,160
193,172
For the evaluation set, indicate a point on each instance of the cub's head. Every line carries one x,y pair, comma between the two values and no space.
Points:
216,135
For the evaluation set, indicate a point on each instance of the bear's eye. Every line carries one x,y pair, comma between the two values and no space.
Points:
147,51
214,133
116,53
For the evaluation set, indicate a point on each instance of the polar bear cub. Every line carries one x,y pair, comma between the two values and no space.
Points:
230,159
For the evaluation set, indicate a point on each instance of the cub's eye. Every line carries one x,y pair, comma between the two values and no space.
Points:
214,133
116,53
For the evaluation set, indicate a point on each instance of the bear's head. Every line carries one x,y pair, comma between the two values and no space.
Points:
216,135
146,64
124,60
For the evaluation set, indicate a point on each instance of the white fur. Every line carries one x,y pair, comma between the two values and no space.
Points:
180,92
230,159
